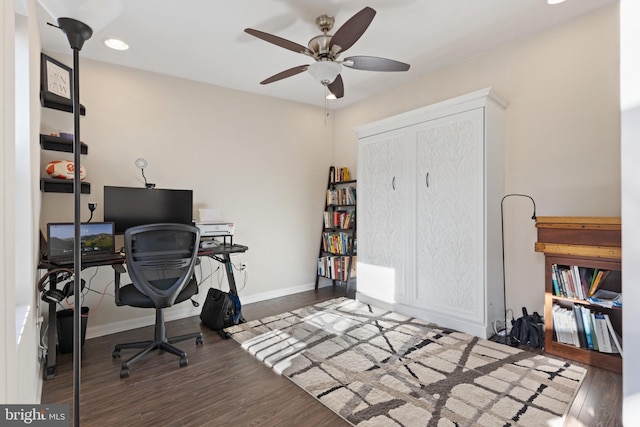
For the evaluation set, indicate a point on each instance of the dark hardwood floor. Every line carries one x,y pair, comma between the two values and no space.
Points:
224,385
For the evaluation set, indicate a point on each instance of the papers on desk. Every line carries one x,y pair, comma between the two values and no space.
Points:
209,216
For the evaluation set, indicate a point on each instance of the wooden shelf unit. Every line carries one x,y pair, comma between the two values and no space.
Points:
593,242
343,261
54,185
57,143
56,102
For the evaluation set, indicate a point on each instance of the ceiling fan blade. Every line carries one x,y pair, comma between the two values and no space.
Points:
337,87
284,74
352,30
279,41
372,63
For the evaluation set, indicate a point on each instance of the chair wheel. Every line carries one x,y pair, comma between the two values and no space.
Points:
184,361
124,372
115,354
198,340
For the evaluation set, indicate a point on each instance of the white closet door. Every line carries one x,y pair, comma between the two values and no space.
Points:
381,194
449,194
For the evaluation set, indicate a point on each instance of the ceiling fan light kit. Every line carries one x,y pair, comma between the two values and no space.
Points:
326,49
325,72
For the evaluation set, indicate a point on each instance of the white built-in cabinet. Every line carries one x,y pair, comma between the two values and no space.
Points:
430,182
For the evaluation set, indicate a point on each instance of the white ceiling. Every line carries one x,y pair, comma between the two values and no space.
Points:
204,40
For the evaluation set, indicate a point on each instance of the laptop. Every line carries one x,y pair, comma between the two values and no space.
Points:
97,242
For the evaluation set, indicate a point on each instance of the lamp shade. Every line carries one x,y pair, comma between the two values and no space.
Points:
94,13
325,72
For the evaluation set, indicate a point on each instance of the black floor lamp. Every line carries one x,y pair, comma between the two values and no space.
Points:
98,13
504,279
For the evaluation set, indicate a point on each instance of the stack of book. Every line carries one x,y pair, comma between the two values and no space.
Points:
340,174
337,243
341,196
336,267
605,298
585,328
571,281
339,219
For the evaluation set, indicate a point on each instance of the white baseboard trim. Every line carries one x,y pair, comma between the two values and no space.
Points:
139,322
478,330
281,292
180,312
460,325
367,299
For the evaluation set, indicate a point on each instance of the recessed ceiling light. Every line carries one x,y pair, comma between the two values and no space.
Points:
116,44
554,1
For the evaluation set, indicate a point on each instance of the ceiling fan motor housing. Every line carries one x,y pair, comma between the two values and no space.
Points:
319,45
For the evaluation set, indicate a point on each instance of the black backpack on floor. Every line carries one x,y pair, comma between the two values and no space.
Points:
220,310
528,330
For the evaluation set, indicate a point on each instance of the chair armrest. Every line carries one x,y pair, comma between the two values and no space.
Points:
118,270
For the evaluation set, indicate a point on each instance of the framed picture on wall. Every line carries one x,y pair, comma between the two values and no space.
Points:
55,77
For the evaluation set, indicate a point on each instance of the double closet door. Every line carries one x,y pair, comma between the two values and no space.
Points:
424,193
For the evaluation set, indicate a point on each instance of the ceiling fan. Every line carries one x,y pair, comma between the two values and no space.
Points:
326,49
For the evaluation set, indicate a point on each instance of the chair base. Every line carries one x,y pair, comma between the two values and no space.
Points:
161,342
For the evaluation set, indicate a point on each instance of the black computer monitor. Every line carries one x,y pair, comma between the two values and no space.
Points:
131,206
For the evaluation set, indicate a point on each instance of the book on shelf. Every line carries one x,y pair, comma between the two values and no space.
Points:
568,278
602,332
336,267
598,279
346,220
582,340
586,277
586,321
594,333
339,219
562,292
577,282
583,328
341,196
567,283
337,243
605,298
617,339
340,174
565,326
555,283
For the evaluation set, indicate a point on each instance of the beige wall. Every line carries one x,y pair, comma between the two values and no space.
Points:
262,162
562,130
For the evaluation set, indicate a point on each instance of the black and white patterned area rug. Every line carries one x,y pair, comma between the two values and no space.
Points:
377,368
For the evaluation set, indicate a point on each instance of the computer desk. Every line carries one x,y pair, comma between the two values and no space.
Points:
221,253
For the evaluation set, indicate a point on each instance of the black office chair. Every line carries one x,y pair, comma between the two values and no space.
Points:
160,260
